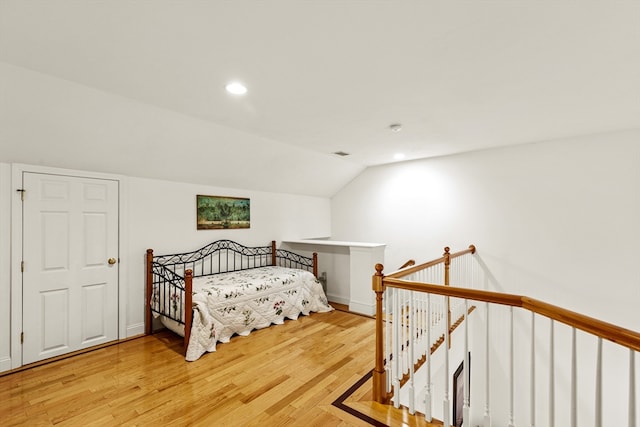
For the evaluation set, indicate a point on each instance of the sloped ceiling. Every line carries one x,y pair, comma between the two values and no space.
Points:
327,76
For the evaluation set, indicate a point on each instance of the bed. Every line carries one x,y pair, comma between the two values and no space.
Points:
226,289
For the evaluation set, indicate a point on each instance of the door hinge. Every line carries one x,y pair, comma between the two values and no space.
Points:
21,191
21,266
21,337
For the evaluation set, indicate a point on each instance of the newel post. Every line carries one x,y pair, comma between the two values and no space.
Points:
447,265
379,373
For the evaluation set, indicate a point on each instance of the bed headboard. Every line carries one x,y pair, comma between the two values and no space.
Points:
224,256
220,256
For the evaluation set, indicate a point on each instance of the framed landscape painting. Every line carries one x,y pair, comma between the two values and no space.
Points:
222,212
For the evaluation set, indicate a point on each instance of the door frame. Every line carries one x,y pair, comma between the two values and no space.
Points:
17,170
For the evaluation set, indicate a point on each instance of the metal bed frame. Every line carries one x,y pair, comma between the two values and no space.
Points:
173,274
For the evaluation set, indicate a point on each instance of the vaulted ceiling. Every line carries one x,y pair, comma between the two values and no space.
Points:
330,76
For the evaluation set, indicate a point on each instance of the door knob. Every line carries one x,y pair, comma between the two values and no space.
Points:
112,261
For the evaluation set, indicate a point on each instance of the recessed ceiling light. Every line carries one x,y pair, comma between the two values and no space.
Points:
398,156
236,88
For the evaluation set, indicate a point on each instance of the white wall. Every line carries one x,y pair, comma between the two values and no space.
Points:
555,220
162,215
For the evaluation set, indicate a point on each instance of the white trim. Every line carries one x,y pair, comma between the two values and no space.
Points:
337,299
123,254
5,266
135,329
16,275
321,242
5,364
17,171
357,307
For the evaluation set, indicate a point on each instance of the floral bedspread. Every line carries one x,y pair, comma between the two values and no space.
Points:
239,302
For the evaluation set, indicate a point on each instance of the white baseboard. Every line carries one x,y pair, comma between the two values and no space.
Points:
135,329
366,309
338,299
5,364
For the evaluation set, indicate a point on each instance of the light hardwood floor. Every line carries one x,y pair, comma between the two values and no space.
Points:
285,375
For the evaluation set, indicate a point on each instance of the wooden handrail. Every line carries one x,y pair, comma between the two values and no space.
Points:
453,291
409,263
604,330
405,272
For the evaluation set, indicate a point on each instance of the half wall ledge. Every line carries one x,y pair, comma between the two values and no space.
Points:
349,267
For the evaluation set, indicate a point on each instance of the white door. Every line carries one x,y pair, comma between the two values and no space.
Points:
70,270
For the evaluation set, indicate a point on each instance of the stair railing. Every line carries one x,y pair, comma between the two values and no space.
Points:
384,389
409,325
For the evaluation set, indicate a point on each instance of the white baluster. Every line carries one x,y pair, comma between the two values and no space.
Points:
417,320
406,333
412,395
632,388
425,324
467,367
465,278
400,333
487,381
574,380
533,369
511,369
427,394
397,320
598,410
417,302
551,378
445,403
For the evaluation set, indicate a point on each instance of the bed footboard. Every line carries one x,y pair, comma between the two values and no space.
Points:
169,295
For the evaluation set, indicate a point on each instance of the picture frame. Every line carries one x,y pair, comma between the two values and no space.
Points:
458,392
222,212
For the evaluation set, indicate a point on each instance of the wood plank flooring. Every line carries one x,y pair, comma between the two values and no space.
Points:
286,375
